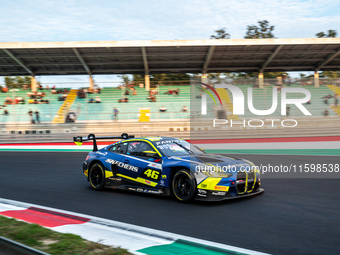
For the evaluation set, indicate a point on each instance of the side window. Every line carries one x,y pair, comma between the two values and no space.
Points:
137,148
119,148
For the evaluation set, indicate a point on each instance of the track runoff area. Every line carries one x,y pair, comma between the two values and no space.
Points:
142,226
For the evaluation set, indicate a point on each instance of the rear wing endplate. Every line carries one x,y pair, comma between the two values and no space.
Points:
80,139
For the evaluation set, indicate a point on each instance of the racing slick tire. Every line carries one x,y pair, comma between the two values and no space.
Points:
97,176
184,186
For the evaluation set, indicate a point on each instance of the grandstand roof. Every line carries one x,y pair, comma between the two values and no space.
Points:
165,56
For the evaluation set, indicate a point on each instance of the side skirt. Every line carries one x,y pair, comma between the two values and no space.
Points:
118,183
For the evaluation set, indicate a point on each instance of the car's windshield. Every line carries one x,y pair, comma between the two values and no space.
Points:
177,147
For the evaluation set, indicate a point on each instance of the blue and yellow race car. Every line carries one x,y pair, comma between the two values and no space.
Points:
168,166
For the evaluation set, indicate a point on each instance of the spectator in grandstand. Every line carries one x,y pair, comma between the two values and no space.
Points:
81,93
134,92
175,92
325,100
99,90
90,90
336,100
115,113
329,96
71,117
42,101
37,116
152,99
6,112
91,100
30,114
98,100
8,100
287,111
4,90
54,91
61,98
325,113
153,92
123,100
163,109
127,92
184,109
169,92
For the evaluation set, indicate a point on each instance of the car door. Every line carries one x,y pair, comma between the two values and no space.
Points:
115,155
140,164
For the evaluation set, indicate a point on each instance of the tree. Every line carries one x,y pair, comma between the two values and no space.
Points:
125,78
17,81
138,78
331,33
330,74
159,77
262,31
220,34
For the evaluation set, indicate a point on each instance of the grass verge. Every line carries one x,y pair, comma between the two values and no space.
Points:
52,242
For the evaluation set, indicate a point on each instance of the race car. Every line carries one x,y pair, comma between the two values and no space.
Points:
168,166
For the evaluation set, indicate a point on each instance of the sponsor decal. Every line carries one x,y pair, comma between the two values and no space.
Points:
201,191
114,179
101,153
140,190
147,182
167,141
162,182
122,165
221,188
154,175
155,165
164,176
220,193
133,189
201,195
203,185
153,191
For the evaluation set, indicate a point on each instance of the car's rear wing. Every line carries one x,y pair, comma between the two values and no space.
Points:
80,139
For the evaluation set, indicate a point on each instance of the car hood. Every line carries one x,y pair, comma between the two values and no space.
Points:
215,160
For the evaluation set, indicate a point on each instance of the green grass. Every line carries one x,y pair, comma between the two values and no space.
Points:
52,242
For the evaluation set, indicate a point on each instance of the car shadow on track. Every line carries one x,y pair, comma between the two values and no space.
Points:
141,195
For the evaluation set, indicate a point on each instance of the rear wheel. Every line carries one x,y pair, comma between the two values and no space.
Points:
184,186
97,176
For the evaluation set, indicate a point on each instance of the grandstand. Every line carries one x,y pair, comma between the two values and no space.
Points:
130,111
18,113
93,112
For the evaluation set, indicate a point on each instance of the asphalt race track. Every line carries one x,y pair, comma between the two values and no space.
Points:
293,216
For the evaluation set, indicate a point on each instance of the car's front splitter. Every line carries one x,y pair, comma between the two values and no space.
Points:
219,195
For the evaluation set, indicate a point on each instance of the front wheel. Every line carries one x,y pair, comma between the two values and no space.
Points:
97,176
184,186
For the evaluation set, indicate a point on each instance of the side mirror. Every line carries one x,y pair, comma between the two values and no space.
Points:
151,154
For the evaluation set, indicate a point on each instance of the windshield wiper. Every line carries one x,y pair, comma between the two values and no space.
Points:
185,148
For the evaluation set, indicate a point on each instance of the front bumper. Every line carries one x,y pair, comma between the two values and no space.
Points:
210,195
